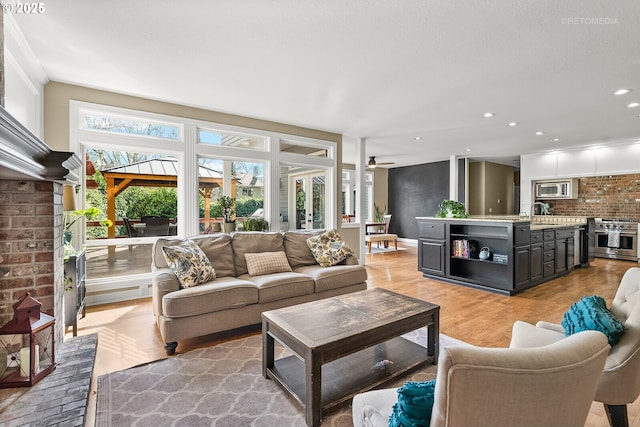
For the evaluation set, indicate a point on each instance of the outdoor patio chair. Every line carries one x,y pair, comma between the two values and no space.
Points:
131,232
156,226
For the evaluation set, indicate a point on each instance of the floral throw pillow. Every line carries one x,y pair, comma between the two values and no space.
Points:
328,248
189,263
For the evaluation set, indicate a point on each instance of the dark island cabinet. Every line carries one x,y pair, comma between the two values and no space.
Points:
564,239
537,258
432,248
522,266
432,257
522,255
449,249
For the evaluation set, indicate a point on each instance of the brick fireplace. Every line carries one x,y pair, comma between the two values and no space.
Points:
31,251
31,256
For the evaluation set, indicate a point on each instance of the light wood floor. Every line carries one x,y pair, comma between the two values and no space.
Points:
127,335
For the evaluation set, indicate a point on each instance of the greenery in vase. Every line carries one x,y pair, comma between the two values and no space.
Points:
451,209
379,213
226,206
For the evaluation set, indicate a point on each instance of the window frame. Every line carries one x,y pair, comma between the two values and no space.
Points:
187,149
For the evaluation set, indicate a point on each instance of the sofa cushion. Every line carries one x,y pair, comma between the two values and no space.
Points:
591,313
277,286
329,248
223,293
267,263
335,277
245,242
189,263
219,250
298,252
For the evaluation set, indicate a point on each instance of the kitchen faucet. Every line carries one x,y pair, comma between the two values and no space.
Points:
543,209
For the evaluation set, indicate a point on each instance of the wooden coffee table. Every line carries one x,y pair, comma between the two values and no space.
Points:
345,345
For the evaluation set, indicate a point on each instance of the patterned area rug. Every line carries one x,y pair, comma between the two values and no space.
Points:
218,386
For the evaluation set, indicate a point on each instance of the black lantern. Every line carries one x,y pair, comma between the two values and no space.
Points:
26,345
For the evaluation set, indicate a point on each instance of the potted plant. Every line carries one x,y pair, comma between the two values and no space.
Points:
226,204
451,209
216,212
255,223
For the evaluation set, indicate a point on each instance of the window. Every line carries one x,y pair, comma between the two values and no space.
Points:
349,194
141,164
131,126
245,181
231,140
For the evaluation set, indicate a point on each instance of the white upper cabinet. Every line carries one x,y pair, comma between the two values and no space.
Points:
618,159
613,159
539,165
577,163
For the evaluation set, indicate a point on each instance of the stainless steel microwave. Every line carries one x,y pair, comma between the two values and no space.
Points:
562,189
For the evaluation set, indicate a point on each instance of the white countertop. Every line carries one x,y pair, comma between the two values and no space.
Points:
540,222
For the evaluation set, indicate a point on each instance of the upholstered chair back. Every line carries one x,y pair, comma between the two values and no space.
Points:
620,382
539,386
551,385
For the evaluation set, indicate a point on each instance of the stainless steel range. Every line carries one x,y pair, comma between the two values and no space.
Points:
616,238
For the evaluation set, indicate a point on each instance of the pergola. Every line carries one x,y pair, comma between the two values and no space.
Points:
161,172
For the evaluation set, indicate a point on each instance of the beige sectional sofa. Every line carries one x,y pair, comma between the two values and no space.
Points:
235,298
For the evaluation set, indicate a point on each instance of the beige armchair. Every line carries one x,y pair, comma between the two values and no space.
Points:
551,385
620,381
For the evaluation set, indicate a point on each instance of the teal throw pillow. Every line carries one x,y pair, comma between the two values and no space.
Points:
415,402
591,314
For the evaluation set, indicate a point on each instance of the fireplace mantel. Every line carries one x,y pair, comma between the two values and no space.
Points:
25,156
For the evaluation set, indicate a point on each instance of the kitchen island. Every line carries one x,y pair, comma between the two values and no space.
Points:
503,254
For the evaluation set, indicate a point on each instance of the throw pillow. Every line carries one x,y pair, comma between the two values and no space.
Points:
414,406
328,248
262,263
189,263
591,313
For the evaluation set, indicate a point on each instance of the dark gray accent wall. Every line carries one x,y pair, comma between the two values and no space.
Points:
416,191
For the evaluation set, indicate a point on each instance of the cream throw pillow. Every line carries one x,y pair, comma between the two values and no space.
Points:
189,263
262,263
328,248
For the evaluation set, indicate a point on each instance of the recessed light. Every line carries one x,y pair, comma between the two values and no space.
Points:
488,115
622,91
417,138
633,105
555,140
512,124
539,133
467,149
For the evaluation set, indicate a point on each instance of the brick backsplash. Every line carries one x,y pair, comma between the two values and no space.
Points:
615,196
31,247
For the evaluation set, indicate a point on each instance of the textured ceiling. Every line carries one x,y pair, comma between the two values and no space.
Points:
386,71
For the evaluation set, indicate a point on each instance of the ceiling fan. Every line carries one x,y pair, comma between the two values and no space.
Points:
372,162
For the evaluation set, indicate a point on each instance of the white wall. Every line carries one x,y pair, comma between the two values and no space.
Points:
24,79
612,159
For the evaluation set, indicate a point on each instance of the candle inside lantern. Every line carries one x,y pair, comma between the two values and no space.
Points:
25,361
